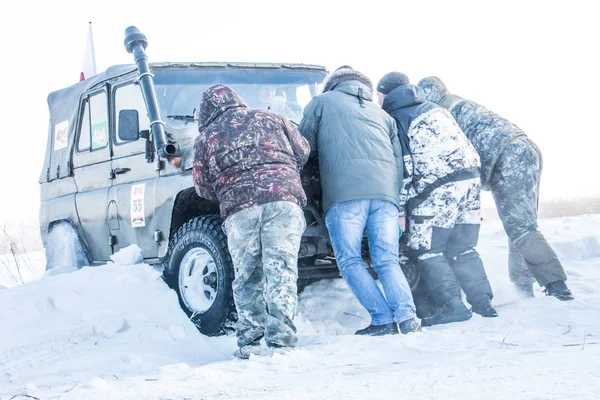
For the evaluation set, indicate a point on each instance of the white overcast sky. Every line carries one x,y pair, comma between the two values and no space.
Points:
535,63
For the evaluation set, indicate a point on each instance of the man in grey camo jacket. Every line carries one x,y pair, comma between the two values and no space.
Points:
511,166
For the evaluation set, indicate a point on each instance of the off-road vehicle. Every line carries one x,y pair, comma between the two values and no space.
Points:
116,173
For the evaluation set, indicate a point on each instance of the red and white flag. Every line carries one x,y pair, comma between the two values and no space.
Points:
88,68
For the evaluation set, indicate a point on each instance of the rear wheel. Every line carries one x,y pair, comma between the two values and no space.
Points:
65,250
200,270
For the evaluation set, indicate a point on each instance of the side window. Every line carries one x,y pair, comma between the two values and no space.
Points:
93,133
99,121
84,133
130,97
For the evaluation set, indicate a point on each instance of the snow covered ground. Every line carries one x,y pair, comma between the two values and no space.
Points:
31,267
117,332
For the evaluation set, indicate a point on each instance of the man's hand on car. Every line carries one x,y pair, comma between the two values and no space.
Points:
402,223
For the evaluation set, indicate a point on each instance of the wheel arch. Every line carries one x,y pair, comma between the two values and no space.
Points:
79,237
187,206
75,227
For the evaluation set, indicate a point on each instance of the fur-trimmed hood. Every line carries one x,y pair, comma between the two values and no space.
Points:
346,74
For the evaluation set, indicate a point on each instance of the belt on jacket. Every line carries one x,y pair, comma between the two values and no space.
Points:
461,175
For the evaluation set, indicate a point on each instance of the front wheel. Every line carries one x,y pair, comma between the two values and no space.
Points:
200,270
411,271
409,266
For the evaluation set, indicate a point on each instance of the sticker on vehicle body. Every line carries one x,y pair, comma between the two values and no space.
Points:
61,135
99,135
138,218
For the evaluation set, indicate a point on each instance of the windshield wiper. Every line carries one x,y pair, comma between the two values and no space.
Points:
182,117
193,117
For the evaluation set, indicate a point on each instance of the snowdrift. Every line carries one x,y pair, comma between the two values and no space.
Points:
99,321
117,332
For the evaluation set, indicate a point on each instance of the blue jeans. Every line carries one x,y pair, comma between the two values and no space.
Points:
346,223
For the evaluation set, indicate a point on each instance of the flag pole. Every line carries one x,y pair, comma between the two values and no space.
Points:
88,67
93,50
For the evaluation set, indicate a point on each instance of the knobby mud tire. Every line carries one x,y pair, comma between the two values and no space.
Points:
205,232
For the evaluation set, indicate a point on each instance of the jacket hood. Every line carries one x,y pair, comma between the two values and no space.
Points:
346,74
435,90
403,96
215,101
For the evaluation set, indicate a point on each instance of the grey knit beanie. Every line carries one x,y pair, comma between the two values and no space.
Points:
391,81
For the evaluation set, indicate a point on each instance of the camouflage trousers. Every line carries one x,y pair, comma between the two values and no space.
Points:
443,231
264,241
515,185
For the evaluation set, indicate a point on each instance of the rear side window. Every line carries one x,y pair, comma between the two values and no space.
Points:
84,133
93,133
130,97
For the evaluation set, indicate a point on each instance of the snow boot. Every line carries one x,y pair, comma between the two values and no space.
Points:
485,309
525,290
279,349
379,330
424,303
426,307
452,311
410,325
559,290
245,352
282,350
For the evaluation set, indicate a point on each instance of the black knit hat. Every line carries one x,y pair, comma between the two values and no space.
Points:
391,81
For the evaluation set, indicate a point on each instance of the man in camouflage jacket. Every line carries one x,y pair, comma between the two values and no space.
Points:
249,161
511,167
443,201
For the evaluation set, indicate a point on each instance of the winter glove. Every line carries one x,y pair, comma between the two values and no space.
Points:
401,224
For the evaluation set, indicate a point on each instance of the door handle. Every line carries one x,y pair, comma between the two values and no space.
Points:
118,171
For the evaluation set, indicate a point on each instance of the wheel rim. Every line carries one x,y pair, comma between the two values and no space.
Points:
198,280
411,272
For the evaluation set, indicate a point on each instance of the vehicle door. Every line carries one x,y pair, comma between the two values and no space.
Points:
91,170
131,196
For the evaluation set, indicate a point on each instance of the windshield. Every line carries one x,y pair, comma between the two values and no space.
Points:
287,92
